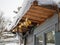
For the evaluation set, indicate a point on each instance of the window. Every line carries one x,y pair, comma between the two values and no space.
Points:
39,40
50,38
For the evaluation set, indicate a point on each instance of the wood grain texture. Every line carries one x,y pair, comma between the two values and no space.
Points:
38,14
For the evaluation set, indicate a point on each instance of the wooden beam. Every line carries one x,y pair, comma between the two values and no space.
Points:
34,18
37,15
34,21
43,9
35,3
40,12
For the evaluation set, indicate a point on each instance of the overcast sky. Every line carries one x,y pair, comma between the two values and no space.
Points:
8,6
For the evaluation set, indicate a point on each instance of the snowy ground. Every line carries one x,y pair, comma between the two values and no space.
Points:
12,44
22,44
10,41
50,44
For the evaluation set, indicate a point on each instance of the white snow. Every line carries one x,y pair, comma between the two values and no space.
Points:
49,1
46,2
8,6
11,44
50,44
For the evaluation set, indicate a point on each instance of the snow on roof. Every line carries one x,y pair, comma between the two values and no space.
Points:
48,2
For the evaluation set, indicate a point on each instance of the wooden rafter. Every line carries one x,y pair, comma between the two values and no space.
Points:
37,15
40,11
43,9
34,18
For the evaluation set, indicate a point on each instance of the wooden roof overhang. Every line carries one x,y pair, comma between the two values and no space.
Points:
38,14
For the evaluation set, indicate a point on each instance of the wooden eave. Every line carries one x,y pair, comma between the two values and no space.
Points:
38,14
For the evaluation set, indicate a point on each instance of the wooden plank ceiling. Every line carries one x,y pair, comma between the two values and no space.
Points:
38,14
